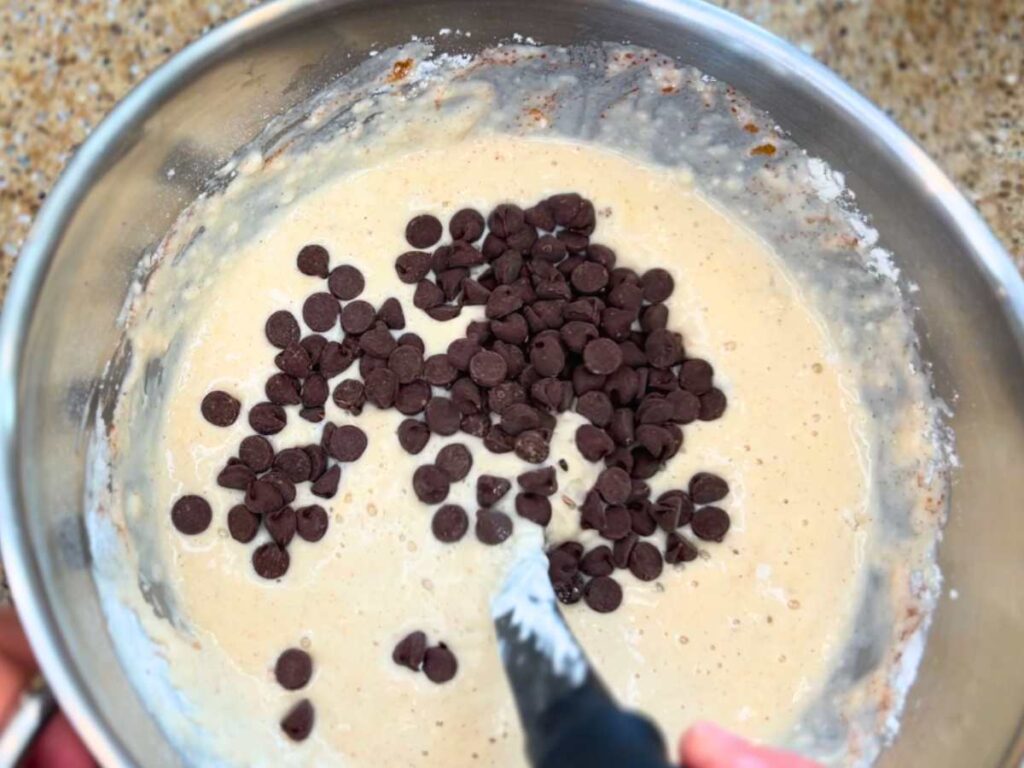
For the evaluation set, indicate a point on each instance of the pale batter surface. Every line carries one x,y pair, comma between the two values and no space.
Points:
746,635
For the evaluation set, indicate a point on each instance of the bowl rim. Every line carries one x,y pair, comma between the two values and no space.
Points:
23,571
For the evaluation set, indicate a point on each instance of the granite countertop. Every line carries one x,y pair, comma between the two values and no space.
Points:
949,73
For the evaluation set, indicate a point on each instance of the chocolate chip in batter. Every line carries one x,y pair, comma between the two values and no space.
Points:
311,522
442,416
430,484
294,463
492,526
357,317
602,356
243,525
707,488
657,285
450,523
346,282
454,460
598,561
320,311
712,405
313,260
350,395
327,484
413,266
534,507
614,485
423,231
413,435
282,329
593,442
280,524
235,476
603,594
439,664
710,523
191,514
219,408
293,669
679,549
696,375
347,443
381,387
539,481
532,446
294,360
282,389
410,650
491,489
488,369
617,524
298,723
270,561
256,453
645,561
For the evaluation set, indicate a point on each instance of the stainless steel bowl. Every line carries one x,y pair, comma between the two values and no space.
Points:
115,201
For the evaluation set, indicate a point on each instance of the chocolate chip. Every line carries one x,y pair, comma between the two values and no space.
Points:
293,669
438,371
598,561
474,294
710,523
357,316
614,485
450,282
454,460
645,561
712,405
346,282
430,484
235,476
564,562
298,723
219,408
654,409
294,463
503,301
487,369
381,387
547,355
427,295
508,267
350,395
412,398
413,435
311,522
314,414
320,311
191,515
577,334
603,594
423,231
467,397
442,416
662,348
412,266
347,443
411,340
294,360
282,389
540,216
602,255
461,351
593,442
317,461
439,664
267,418
623,548
539,481
392,315
616,322
409,651
336,358
475,424
368,364
654,318
378,342
685,406
313,260
450,523
467,224
589,277
552,393
243,525
548,248
490,489
707,488
281,525
512,329
570,591
327,484
618,523
492,527
679,549
282,329
657,285
270,561
314,345
519,417
263,497
256,452
534,507
602,356
532,446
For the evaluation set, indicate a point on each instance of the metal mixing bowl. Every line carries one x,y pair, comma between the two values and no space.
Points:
115,201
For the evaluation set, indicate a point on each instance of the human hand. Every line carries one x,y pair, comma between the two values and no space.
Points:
707,746
57,745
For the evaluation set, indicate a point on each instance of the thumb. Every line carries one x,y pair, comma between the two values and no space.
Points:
707,746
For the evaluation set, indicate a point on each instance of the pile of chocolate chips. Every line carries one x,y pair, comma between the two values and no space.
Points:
565,328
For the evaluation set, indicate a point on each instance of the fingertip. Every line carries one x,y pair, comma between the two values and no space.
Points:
58,745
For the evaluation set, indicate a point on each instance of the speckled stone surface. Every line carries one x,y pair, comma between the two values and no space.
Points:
949,72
